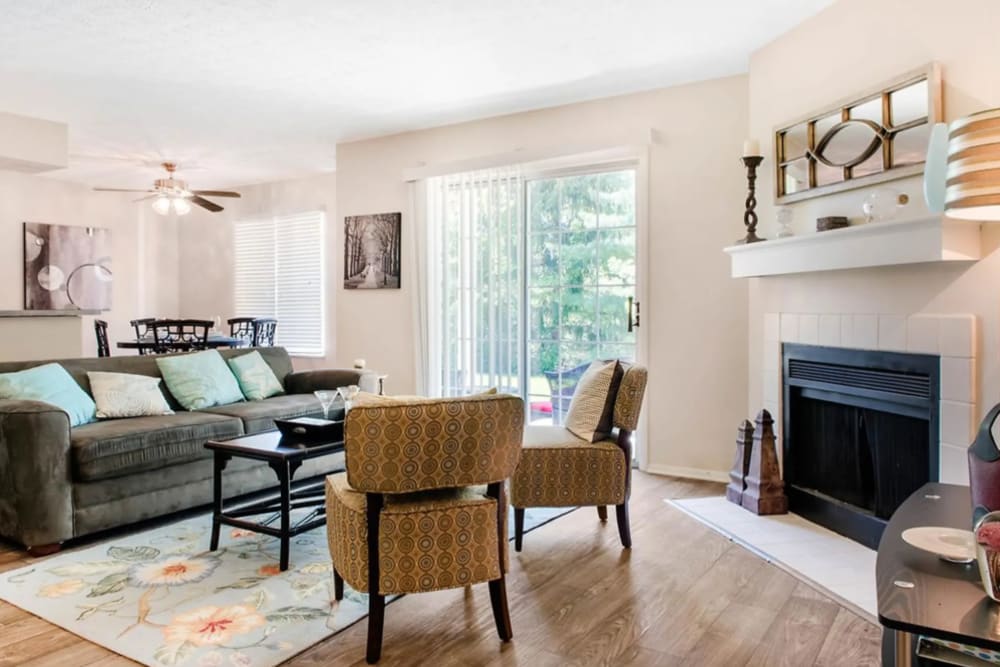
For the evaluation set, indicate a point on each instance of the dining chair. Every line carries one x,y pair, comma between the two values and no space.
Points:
560,469
411,513
180,335
263,331
144,334
242,328
101,330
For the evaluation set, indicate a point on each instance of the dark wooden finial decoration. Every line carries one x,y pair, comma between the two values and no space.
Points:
765,492
741,464
750,216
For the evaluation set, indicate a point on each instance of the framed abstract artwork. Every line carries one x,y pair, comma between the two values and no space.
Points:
66,267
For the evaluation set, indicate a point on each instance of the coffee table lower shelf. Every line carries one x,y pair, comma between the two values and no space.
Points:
284,461
305,495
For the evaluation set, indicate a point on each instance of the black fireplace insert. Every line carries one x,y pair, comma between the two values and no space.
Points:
860,434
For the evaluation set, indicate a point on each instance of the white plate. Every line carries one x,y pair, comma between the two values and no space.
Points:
958,546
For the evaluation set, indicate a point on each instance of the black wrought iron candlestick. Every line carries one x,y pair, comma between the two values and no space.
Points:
750,217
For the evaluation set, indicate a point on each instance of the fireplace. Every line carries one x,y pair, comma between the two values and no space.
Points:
860,434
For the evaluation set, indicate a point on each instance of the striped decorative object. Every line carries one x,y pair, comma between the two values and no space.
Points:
973,186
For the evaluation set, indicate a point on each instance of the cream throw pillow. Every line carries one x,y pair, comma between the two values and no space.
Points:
121,395
592,407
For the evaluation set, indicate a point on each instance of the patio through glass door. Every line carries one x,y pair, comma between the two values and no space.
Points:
580,284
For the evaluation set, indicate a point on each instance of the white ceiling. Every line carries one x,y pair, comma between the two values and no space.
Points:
257,90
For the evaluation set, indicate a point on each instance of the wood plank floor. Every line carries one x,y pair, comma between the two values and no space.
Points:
683,595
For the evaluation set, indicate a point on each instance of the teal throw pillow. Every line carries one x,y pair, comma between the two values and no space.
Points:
199,380
256,378
50,383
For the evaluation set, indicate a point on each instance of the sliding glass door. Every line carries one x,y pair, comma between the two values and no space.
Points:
580,283
529,279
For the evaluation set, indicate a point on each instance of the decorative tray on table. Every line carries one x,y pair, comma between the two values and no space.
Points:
310,431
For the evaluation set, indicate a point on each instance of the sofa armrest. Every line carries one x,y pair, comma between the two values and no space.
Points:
306,382
36,507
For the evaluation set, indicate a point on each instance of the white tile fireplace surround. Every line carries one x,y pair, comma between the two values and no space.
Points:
953,337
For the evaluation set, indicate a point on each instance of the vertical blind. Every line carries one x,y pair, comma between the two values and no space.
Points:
475,257
279,273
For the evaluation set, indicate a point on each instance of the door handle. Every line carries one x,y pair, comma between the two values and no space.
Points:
633,314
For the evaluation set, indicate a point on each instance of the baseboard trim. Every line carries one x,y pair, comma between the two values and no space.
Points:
689,473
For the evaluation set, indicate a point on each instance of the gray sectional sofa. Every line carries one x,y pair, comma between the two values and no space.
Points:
58,483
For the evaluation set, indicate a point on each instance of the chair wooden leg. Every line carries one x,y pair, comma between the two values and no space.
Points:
518,527
376,621
621,513
376,601
501,613
602,513
338,585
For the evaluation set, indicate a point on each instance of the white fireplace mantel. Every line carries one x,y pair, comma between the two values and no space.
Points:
934,239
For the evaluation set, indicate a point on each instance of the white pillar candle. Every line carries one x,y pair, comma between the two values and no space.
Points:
359,363
751,147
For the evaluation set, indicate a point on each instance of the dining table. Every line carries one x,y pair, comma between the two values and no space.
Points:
213,341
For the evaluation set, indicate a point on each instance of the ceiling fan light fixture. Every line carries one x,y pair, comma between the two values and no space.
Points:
162,205
181,206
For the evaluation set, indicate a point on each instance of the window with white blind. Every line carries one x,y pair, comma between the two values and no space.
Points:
278,273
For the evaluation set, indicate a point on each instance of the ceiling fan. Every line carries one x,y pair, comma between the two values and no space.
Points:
172,193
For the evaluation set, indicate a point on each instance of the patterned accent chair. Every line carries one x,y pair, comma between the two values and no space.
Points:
422,506
558,469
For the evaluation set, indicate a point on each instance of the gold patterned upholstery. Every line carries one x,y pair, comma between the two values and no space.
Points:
559,469
629,399
406,445
426,476
427,540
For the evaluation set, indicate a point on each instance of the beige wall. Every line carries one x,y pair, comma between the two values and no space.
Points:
853,45
144,247
206,249
694,312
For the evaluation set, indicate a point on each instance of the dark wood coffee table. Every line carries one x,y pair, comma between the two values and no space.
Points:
920,594
284,458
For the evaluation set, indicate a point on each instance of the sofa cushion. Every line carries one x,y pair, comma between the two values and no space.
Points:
259,416
119,447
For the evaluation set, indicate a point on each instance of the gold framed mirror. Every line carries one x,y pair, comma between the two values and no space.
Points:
878,136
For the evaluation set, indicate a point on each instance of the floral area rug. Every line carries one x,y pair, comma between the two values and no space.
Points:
161,598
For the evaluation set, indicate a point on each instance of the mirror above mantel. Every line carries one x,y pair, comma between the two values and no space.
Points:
876,136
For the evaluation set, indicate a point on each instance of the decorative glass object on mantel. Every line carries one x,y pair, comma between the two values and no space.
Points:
884,204
784,217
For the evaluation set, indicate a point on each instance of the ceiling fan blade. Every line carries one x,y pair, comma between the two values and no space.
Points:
204,203
216,193
152,196
121,190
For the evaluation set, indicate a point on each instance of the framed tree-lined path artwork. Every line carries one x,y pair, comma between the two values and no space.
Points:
372,251
66,267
